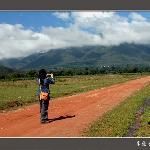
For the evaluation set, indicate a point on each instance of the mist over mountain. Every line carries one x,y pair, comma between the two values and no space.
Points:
83,56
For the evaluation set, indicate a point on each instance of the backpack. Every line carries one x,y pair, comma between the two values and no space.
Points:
44,96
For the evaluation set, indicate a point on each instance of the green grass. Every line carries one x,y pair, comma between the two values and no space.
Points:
144,130
116,122
19,93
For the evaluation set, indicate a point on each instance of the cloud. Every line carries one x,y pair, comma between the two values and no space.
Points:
62,15
85,28
113,28
137,17
16,41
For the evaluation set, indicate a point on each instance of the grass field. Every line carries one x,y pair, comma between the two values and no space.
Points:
118,121
18,93
144,130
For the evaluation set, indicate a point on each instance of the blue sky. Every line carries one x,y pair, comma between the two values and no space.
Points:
25,33
37,19
33,20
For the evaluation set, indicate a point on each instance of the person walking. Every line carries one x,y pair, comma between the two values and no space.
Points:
44,80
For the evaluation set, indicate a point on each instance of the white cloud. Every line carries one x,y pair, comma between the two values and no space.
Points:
114,29
62,15
86,28
15,41
136,17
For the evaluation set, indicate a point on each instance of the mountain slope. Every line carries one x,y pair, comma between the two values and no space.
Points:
5,70
84,56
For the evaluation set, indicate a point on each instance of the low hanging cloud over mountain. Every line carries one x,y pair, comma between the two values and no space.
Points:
84,28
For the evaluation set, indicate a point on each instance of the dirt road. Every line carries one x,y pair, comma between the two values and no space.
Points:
70,115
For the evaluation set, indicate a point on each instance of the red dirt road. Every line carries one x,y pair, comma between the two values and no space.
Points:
87,107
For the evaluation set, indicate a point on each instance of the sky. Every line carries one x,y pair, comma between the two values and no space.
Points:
25,33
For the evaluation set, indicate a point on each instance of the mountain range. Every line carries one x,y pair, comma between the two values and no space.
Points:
5,70
83,57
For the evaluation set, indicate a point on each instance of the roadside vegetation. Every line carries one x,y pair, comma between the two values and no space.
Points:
144,130
16,93
117,122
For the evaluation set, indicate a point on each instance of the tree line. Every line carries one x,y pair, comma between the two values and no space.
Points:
105,69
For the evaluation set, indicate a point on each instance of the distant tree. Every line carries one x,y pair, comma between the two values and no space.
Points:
31,73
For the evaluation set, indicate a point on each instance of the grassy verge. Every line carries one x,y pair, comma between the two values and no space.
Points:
144,130
117,121
19,93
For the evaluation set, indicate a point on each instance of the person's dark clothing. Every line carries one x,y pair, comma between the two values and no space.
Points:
45,86
44,110
44,103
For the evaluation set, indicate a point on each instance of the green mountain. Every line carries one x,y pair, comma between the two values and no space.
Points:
84,56
5,70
